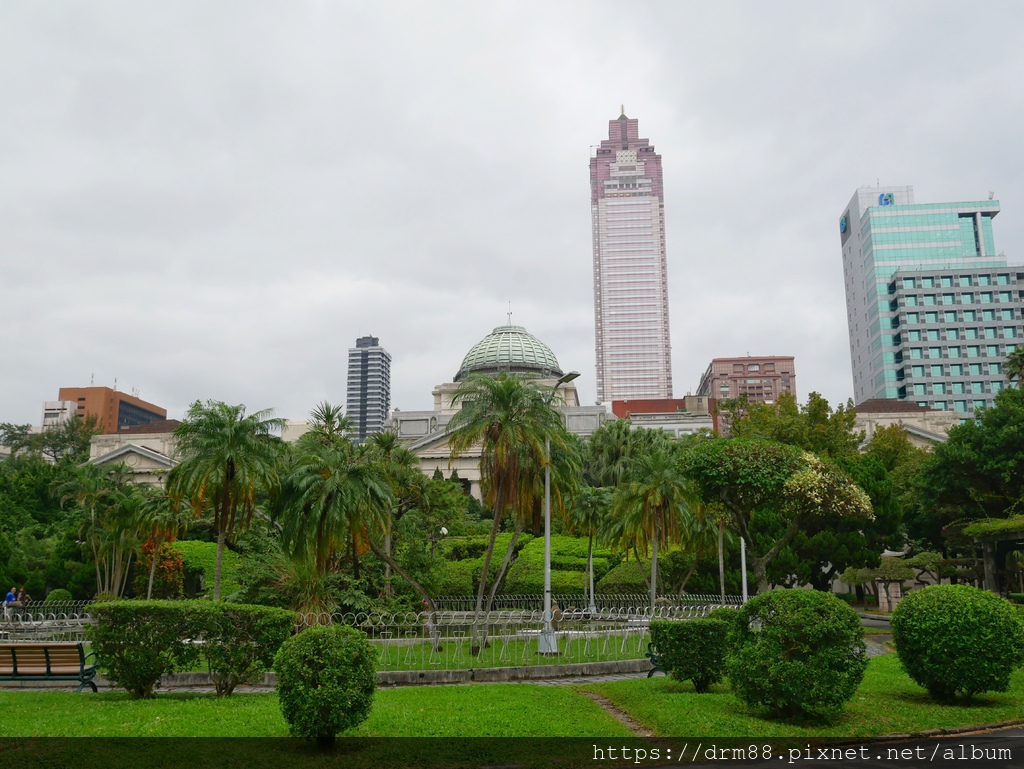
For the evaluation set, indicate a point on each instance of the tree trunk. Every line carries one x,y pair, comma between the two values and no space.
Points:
509,551
721,559
647,582
477,641
387,566
654,567
590,572
403,574
152,570
221,537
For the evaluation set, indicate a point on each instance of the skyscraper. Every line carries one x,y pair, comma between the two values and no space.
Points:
932,307
369,387
634,354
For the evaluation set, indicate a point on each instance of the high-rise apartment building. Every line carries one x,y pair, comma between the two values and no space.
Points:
761,379
634,353
369,387
932,307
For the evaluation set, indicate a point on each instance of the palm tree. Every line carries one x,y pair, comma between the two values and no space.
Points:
651,504
1015,366
107,504
587,516
227,459
159,520
328,424
510,418
336,495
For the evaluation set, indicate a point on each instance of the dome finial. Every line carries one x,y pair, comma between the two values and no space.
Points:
510,313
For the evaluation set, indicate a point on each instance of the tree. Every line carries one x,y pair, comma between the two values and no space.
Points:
814,427
977,474
159,520
654,503
756,476
1015,366
586,517
510,418
227,460
106,506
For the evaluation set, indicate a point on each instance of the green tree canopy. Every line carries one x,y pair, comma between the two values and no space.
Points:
227,460
757,476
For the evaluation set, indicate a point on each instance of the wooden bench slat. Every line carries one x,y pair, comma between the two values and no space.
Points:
63,661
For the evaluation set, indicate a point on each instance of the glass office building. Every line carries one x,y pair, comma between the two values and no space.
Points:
933,308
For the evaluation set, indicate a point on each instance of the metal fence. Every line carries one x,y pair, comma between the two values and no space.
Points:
452,639
570,601
59,621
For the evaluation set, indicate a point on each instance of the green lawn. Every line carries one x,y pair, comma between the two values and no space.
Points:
887,702
508,652
477,710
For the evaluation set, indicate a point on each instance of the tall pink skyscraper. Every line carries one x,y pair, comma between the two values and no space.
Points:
634,352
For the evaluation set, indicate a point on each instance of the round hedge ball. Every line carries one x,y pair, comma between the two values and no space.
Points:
958,639
326,679
797,653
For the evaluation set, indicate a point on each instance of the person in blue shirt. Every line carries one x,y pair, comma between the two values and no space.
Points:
12,598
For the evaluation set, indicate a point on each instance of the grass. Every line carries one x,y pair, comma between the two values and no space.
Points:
887,702
477,710
513,652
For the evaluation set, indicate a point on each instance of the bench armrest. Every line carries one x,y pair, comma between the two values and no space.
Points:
85,660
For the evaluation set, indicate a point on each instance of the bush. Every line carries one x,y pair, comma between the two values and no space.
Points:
692,650
730,615
199,559
957,638
137,642
627,577
798,653
60,595
240,641
1017,597
325,682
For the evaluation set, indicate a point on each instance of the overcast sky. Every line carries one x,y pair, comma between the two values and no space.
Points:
214,199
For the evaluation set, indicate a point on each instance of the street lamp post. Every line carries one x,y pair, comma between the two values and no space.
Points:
547,643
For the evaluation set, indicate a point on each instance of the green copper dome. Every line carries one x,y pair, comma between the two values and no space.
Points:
511,349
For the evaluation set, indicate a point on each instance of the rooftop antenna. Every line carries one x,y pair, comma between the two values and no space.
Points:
115,384
92,379
991,196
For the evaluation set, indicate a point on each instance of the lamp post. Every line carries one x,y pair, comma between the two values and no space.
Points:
547,643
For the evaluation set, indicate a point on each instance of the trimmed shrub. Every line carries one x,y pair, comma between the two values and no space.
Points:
627,577
730,615
200,558
136,642
60,595
957,638
325,682
240,641
692,650
798,653
1017,597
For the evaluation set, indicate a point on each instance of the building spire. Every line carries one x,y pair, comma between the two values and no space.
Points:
622,112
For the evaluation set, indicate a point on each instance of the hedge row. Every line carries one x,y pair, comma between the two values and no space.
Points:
137,642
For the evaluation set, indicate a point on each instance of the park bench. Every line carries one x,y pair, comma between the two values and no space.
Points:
656,660
58,661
